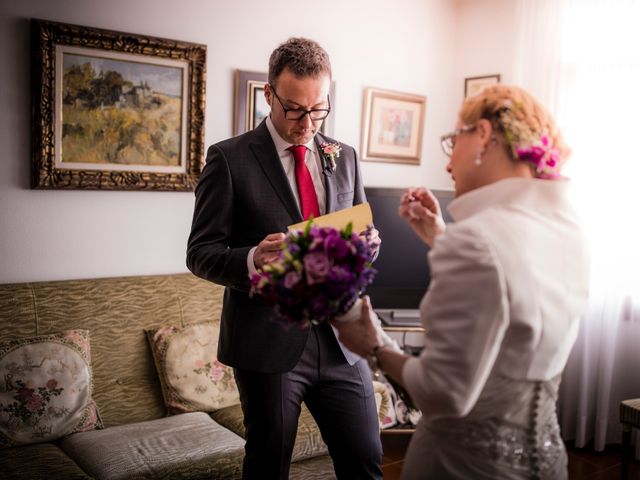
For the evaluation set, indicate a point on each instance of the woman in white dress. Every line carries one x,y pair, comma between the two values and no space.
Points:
509,280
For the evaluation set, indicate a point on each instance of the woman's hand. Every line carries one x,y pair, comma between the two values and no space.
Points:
420,208
361,335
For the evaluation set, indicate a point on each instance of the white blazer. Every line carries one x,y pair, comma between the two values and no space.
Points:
509,281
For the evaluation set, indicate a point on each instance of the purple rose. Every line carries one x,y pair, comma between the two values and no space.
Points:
336,247
291,279
316,265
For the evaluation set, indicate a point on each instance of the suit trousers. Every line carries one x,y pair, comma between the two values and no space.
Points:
340,398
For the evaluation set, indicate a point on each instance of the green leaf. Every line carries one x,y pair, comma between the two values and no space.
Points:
348,229
307,228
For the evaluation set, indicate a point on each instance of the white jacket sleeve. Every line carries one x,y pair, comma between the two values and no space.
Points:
466,315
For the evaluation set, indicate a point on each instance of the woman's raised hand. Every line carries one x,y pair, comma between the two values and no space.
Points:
420,208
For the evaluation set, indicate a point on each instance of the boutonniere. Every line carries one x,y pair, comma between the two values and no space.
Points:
330,152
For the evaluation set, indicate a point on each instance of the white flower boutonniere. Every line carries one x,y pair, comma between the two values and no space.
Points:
330,152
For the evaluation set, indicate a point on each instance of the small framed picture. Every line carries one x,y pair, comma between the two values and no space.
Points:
473,85
251,107
392,126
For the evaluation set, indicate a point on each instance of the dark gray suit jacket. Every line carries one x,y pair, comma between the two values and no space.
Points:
242,196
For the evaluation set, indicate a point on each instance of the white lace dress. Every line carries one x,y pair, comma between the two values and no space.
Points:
509,282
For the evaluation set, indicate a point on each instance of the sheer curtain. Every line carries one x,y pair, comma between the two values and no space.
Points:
581,58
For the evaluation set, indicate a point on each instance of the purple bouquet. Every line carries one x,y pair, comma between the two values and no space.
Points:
320,274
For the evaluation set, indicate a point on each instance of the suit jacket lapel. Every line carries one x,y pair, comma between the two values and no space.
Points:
329,179
267,157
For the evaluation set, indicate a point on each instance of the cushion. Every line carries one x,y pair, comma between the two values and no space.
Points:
191,376
309,441
190,445
45,388
384,403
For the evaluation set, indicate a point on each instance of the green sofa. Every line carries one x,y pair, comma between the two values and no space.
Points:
139,440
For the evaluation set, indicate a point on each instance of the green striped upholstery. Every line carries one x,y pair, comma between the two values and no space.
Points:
41,461
308,444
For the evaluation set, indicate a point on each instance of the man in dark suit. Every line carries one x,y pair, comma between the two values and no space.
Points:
252,187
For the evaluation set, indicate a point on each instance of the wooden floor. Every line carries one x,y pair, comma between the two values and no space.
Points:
584,464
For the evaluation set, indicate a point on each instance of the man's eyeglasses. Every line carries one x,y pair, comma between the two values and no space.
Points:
448,141
315,114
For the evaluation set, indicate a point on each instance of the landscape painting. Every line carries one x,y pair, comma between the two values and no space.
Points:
114,110
121,112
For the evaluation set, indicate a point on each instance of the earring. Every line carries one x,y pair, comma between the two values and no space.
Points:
478,160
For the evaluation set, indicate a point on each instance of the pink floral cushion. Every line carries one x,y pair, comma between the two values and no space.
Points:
45,388
191,376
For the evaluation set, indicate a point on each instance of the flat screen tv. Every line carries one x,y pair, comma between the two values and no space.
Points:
403,270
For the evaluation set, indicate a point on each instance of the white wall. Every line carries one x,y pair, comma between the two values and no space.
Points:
486,40
405,45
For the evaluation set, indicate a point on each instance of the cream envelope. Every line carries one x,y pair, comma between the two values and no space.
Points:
360,216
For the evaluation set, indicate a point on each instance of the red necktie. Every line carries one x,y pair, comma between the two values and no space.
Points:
306,190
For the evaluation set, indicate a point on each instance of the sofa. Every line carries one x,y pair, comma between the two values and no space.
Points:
124,419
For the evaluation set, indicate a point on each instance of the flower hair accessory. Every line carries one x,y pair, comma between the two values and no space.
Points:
320,274
331,151
528,146
543,156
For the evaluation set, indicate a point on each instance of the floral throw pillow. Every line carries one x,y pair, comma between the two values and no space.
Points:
45,388
191,376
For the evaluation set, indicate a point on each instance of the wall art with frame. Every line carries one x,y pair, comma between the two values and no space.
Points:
473,85
392,126
114,110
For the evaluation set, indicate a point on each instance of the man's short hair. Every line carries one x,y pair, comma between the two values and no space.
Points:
304,57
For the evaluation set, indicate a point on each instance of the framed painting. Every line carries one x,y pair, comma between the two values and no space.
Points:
115,111
250,106
392,126
473,85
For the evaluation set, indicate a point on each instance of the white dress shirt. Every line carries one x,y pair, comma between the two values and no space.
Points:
312,161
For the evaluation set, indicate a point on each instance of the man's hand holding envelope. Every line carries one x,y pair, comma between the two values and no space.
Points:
361,220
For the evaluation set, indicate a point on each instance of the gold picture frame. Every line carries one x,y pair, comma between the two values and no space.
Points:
250,106
392,126
114,110
473,85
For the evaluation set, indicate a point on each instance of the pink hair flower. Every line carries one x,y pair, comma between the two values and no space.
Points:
542,156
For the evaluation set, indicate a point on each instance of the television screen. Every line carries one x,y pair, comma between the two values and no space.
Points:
403,271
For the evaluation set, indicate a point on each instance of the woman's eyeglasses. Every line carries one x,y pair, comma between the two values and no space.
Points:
448,141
